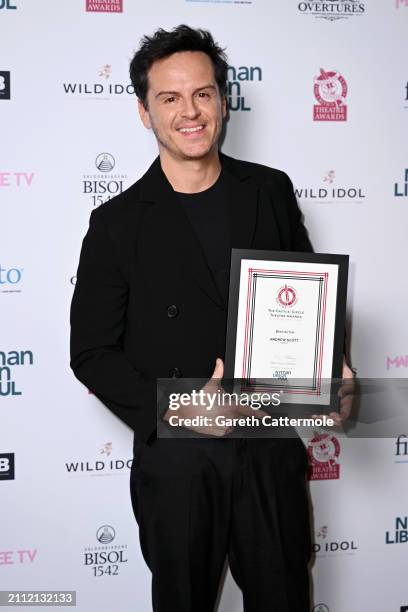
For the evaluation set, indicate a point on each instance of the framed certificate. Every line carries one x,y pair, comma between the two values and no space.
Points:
285,331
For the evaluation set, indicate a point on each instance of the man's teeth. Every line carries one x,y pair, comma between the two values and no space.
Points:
193,129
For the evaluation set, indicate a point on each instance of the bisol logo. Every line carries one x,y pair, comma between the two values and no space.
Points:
6,466
330,90
401,189
400,533
8,362
236,86
105,559
104,6
324,451
101,186
332,10
4,84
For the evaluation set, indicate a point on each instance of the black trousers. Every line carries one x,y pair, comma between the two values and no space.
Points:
197,501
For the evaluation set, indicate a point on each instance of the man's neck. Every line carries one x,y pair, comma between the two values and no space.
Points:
191,176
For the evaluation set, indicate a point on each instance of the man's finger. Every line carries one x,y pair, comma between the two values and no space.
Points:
219,369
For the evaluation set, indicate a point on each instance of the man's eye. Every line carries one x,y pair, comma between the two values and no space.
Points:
170,99
203,94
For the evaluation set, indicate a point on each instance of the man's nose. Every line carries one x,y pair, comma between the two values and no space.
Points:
190,108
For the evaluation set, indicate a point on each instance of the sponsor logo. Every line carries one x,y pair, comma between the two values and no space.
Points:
10,279
6,466
13,557
330,90
400,534
4,84
223,1
404,609
104,89
16,179
104,6
332,10
105,559
236,86
401,449
330,192
324,451
287,296
321,608
401,189
102,185
406,93
399,3
7,362
100,466
8,5
400,361
73,280
326,547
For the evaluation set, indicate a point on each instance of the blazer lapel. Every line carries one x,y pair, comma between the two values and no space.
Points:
242,204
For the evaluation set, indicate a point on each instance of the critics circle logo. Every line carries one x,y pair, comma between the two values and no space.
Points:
105,162
330,88
105,534
287,296
325,449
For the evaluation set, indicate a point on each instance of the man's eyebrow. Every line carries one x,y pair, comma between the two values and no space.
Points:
175,93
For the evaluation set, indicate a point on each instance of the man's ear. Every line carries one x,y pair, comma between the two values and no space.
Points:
224,106
144,115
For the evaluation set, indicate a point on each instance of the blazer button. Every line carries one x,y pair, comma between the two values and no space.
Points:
172,311
175,373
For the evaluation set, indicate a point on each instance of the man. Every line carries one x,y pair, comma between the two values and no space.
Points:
151,301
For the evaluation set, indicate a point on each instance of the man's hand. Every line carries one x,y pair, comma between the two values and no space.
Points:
233,410
345,394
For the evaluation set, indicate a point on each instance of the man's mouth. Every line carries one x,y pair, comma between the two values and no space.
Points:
191,130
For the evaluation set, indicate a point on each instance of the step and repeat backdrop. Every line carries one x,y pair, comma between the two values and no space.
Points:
317,89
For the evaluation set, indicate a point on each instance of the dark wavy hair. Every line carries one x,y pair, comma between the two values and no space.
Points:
163,43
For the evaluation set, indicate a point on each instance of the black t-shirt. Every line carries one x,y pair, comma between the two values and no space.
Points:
208,215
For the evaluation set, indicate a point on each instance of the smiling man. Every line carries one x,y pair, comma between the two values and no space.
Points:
151,301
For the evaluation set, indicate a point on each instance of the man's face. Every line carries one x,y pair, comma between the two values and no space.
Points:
185,109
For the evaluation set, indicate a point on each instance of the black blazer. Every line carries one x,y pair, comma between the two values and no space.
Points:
145,303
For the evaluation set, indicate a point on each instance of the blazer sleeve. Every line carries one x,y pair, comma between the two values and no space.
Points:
97,316
299,235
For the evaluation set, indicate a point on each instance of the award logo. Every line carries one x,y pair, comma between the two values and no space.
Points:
324,451
102,185
326,547
401,189
104,6
329,191
332,10
4,84
6,466
400,361
330,90
400,533
287,296
100,466
10,279
236,77
105,558
7,361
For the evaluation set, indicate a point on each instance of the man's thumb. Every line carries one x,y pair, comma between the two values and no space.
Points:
219,369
